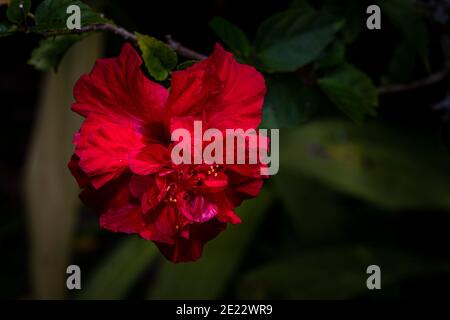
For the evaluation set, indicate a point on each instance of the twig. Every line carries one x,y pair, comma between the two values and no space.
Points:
432,79
128,36
185,52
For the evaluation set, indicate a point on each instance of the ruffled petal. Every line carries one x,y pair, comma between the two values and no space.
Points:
166,220
199,209
127,219
103,149
149,159
81,177
114,194
215,182
186,250
225,93
118,90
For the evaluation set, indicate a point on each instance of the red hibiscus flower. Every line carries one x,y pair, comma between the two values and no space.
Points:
122,151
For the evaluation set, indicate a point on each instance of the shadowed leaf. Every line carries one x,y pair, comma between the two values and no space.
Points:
294,38
351,91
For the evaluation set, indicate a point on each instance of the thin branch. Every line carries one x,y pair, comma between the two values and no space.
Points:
128,36
183,51
432,79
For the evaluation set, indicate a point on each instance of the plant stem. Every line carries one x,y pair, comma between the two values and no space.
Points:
183,51
432,79
128,36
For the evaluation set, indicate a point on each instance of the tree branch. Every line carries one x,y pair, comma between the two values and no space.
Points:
128,36
432,79
183,51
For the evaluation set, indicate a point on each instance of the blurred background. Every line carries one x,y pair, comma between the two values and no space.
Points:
365,166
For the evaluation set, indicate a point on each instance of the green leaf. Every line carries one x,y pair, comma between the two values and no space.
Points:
232,36
354,13
15,13
335,273
158,57
208,277
351,91
389,168
119,271
7,29
294,38
51,15
289,102
51,51
332,56
408,20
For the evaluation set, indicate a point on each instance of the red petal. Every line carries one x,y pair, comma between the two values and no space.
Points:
199,209
229,217
80,175
139,184
215,183
229,94
114,194
149,159
240,103
151,233
185,250
153,195
118,90
249,188
127,219
103,149
166,219
225,205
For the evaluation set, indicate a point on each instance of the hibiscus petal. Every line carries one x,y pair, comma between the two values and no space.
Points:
215,182
199,209
149,159
166,219
151,233
127,219
249,188
77,172
229,94
139,184
118,90
185,250
103,149
114,194
152,197
240,103
225,205
189,92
